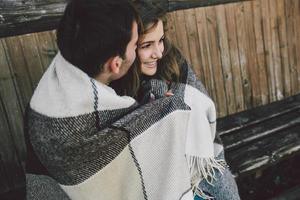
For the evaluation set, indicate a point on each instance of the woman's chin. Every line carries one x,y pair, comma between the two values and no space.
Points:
149,71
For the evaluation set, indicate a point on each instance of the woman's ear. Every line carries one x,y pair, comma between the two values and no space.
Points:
115,64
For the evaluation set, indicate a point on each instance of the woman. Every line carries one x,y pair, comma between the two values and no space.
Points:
157,57
159,62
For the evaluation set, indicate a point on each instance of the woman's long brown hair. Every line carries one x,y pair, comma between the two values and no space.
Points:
168,67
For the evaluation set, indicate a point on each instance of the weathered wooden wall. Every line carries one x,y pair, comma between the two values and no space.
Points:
23,59
246,53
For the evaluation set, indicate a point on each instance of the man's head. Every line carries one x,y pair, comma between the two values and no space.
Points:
96,34
120,65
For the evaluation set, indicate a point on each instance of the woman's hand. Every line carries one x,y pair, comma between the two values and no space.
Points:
169,93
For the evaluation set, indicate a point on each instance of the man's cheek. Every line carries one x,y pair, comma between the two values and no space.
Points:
133,56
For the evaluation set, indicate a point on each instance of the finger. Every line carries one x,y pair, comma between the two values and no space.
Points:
168,94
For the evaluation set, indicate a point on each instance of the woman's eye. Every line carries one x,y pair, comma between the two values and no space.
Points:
145,46
162,39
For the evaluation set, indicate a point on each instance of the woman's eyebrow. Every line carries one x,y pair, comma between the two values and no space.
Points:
146,42
152,41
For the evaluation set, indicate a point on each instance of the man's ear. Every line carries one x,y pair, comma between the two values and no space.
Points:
115,64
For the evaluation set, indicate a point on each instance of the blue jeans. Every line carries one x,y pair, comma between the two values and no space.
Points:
224,187
198,198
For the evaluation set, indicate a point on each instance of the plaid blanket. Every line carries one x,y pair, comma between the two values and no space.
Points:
98,145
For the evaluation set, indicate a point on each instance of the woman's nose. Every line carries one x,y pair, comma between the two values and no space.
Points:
157,52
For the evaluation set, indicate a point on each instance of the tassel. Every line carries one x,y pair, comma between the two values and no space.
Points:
204,168
201,194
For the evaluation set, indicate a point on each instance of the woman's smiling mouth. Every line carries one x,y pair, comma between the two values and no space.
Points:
150,64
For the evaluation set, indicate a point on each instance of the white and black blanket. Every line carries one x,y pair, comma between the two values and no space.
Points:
98,145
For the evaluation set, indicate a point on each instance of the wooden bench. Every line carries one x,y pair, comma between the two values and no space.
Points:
257,139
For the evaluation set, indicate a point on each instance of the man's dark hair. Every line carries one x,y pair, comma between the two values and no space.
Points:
92,31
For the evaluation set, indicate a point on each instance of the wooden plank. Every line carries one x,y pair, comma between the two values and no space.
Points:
18,66
170,28
46,48
242,45
251,55
291,40
193,43
234,57
20,17
256,131
182,34
205,52
12,105
297,31
53,36
12,151
5,150
216,64
239,120
268,48
276,57
283,44
34,64
225,58
186,4
267,183
260,52
265,152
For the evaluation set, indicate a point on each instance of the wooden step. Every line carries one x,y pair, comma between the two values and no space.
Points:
257,115
261,137
265,152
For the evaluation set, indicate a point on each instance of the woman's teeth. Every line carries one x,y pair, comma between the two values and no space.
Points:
151,63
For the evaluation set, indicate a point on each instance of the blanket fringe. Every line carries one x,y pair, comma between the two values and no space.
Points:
201,194
204,168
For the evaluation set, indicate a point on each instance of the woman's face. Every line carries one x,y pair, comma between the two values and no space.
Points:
150,49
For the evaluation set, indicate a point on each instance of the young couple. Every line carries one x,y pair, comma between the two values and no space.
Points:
119,114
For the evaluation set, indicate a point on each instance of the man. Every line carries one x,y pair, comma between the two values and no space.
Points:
97,41
99,36
98,145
